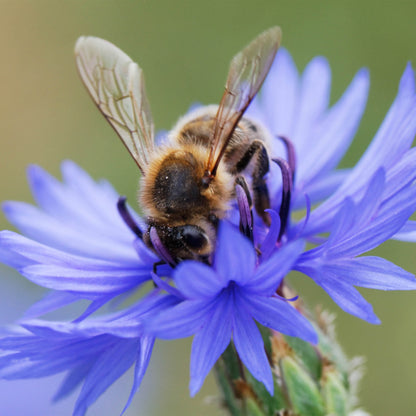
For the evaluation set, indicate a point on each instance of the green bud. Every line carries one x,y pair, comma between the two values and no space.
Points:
335,394
303,392
309,380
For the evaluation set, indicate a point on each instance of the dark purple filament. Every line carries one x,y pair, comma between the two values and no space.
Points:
159,247
127,218
291,155
284,211
246,216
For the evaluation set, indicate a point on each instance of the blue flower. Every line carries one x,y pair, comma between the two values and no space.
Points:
390,150
298,108
361,207
76,244
93,352
372,205
225,299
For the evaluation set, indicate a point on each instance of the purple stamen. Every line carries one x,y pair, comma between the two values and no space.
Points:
308,212
161,284
291,155
286,194
127,218
246,216
160,249
269,243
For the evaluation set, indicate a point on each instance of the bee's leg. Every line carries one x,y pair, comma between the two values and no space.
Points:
156,265
127,218
258,152
244,206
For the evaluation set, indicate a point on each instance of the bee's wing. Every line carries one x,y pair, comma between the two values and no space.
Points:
116,85
248,69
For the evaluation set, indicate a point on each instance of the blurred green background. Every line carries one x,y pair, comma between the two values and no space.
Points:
184,48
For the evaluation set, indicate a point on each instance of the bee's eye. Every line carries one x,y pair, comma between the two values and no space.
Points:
213,219
193,237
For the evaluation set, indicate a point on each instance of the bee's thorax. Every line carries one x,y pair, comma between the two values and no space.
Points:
174,191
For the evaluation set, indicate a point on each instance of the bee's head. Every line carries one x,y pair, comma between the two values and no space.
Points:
194,241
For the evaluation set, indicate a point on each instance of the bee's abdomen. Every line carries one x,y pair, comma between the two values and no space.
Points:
197,132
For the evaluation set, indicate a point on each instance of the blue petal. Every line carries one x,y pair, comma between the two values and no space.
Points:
196,280
399,123
62,271
318,189
269,274
281,316
72,380
235,257
341,121
51,302
86,282
182,320
142,362
390,218
269,243
407,232
90,197
250,347
210,342
401,175
348,299
344,295
372,272
53,350
58,201
65,235
313,99
352,218
280,108
110,365
93,307
24,251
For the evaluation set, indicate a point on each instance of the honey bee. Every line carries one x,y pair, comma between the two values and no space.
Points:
188,183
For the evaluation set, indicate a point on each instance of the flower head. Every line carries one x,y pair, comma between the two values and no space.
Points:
226,299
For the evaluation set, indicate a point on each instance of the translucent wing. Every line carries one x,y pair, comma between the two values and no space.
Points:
248,69
116,85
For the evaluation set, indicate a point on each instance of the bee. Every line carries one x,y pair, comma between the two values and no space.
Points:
189,182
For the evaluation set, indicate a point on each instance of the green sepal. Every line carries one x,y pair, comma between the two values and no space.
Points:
333,352
307,354
253,408
270,404
335,394
228,394
231,363
302,390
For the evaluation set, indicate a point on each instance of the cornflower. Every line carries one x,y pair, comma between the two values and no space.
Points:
76,243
